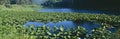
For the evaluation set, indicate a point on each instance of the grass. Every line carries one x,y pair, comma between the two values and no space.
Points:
18,8
12,20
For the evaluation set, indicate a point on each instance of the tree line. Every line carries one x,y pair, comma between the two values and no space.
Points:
2,2
77,4
108,5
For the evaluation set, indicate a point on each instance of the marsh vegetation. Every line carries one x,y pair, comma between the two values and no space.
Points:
14,16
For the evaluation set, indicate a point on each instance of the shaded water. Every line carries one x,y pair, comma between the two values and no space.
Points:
85,6
76,10
68,10
68,25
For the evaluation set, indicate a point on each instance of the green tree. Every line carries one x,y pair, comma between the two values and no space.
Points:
24,1
2,2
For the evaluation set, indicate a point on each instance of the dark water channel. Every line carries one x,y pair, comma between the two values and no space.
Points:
68,10
75,10
68,25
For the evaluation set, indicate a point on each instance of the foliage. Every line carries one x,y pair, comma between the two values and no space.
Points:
99,33
12,25
2,2
18,8
0,20
19,18
13,17
22,32
118,34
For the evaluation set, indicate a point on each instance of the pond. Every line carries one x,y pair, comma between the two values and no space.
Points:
68,25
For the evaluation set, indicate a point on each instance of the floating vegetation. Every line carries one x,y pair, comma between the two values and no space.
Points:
44,32
20,18
11,25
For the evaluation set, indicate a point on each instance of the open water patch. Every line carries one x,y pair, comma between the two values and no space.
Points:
69,10
69,25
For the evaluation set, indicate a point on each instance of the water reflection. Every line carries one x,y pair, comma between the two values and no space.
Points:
113,30
55,10
90,26
73,10
66,10
68,25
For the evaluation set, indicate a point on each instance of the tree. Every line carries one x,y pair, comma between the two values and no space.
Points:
2,2
23,1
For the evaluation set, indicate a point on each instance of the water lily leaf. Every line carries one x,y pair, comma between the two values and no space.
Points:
49,33
61,28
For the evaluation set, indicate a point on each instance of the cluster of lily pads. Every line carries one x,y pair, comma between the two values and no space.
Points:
22,17
44,32
11,25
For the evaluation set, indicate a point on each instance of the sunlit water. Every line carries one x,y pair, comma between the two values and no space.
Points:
68,25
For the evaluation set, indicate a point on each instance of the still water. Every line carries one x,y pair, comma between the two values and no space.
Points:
68,25
66,10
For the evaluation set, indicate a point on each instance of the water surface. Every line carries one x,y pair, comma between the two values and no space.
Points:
69,10
69,25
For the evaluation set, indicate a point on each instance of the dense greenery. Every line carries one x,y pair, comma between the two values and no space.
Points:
13,18
103,5
17,8
21,32
24,16
15,2
12,25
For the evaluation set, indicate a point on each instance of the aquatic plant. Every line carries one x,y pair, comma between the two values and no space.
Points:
117,34
44,32
22,32
99,33
22,17
12,25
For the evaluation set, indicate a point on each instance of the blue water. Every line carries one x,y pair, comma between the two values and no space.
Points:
69,10
90,26
113,30
56,10
39,2
68,25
